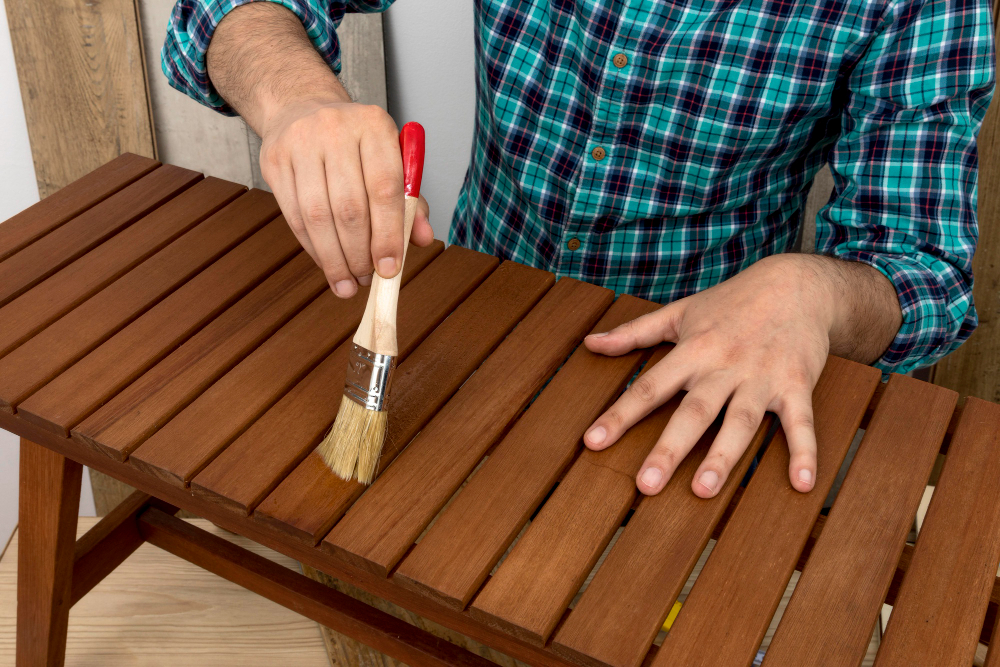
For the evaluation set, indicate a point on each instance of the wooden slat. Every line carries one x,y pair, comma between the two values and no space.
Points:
943,600
856,555
48,254
311,499
189,441
529,592
88,325
386,520
130,417
63,291
72,200
993,656
470,536
260,458
299,593
73,395
727,613
620,613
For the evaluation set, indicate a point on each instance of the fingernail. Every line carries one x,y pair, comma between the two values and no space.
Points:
597,435
599,335
387,266
806,476
345,289
651,477
365,281
709,479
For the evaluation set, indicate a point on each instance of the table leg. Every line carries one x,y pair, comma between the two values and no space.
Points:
49,500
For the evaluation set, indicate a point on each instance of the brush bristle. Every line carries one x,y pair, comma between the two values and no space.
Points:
354,443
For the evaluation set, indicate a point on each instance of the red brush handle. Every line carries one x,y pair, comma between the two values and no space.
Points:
411,144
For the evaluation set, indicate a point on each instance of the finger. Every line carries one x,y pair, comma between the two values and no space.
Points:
743,417
422,234
383,176
649,391
645,331
349,202
689,422
796,415
281,179
314,203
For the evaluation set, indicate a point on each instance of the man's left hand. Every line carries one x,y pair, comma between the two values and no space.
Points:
758,342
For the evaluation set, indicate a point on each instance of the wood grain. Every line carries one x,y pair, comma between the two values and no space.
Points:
122,358
386,520
95,320
941,605
311,499
617,618
48,254
196,435
534,585
135,413
48,500
58,294
83,85
727,614
257,461
65,204
299,593
856,555
469,537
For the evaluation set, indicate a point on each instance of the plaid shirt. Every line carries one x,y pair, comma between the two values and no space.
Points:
660,147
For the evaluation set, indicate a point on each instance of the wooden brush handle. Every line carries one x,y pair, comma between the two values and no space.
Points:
377,331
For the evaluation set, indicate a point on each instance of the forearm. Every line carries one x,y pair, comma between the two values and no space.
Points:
866,315
261,60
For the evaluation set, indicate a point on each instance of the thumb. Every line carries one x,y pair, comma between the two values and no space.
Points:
422,234
646,331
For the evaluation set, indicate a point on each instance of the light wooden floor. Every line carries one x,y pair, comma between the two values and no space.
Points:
157,609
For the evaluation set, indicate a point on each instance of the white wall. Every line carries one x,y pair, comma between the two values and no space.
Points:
18,190
429,54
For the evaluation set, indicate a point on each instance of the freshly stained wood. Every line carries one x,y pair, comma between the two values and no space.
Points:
855,557
617,617
40,219
84,386
48,254
386,520
534,585
727,613
311,498
145,405
189,441
88,325
58,294
943,600
470,536
260,458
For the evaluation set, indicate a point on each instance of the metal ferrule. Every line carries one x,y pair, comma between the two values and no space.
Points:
368,377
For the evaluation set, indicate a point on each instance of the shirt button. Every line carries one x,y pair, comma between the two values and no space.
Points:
598,153
573,243
620,60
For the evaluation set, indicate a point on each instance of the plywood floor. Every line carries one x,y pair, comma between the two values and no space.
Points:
157,609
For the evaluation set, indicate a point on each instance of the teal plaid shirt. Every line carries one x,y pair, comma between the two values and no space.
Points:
659,147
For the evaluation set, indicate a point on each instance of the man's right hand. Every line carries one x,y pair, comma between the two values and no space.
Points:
337,174
334,165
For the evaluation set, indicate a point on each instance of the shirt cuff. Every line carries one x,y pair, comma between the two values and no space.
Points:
934,321
192,25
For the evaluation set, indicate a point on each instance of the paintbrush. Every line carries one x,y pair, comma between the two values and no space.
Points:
354,443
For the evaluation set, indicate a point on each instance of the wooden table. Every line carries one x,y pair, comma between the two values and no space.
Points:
167,330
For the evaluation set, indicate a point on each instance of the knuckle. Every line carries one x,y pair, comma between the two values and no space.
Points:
615,419
744,417
695,408
317,212
352,214
386,189
668,457
800,420
643,389
721,462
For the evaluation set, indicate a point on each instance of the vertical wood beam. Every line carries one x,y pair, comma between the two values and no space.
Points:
49,499
83,85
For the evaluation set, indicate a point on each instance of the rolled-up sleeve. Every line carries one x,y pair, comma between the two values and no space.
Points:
905,169
193,22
